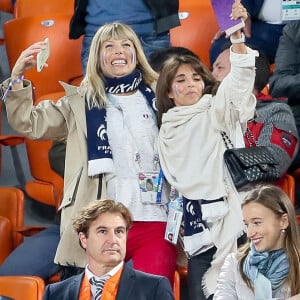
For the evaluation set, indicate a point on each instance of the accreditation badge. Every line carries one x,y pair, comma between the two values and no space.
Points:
149,185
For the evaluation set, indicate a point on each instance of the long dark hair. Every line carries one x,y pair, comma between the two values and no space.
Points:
167,74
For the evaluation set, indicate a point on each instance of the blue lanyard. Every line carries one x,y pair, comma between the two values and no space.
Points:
160,186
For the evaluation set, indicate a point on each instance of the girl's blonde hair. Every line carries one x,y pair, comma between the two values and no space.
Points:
93,84
275,199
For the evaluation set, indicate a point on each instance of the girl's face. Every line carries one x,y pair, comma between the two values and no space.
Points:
118,58
264,228
186,87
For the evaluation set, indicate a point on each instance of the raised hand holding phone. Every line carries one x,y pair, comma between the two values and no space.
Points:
42,56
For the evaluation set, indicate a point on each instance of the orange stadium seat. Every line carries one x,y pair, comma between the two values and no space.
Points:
287,183
64,61
6,5
6,238
12,228
12,208
296,176
47,186
176,287
198,27
29,8
22,287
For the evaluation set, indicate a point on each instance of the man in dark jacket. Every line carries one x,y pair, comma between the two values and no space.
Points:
102,229
285,81
150,19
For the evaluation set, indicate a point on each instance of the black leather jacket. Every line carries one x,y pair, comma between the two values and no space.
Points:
165,13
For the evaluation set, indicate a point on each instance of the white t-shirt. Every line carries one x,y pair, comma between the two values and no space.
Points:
270,12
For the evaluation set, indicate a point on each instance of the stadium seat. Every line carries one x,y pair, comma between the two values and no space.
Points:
65,54
12,228
6,5
22,287
12,208
30,8
46,186
198,27
176,287
6,238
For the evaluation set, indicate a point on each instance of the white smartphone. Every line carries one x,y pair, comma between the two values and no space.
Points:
42,56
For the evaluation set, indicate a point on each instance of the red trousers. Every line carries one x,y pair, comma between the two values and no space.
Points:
149,251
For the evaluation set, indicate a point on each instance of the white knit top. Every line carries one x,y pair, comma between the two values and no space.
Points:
131,129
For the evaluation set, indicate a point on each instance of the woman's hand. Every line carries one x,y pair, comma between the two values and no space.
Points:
237,38
238,11
27,59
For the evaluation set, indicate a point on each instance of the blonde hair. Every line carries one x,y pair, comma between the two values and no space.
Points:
93,85
275,199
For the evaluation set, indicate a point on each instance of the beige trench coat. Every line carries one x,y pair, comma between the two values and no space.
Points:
65,119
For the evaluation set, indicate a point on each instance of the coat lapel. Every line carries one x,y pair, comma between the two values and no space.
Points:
126,285
74,287
77,105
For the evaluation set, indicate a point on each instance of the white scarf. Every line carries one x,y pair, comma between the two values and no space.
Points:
192,175
195,174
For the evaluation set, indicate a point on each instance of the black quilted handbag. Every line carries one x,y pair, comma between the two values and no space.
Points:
250,165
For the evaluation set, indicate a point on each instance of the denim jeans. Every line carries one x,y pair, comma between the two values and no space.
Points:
35,256
150,43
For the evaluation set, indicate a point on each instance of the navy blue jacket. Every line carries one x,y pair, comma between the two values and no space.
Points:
133,285
253,7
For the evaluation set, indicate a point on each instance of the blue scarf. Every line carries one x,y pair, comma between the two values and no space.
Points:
197,237
267,270
99,151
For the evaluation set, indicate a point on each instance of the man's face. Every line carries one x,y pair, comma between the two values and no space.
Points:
105,244
221,66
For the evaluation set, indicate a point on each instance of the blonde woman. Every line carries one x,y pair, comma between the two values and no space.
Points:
110,127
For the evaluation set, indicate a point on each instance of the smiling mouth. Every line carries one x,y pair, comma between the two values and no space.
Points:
119,62
256,241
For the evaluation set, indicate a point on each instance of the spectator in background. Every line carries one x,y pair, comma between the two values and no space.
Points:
273,124
268,265
285,81
102,229
101,122
150,19
160,56
262,29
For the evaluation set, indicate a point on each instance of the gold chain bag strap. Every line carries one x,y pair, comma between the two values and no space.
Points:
250,165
